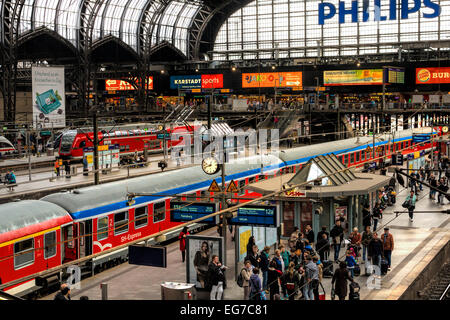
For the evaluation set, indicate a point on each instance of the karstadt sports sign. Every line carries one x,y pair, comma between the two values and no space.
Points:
206,81
432,75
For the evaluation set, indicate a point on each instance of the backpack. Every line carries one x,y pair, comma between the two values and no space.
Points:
240,279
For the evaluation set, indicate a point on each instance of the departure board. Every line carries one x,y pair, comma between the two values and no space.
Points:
395,75
185,212
264,216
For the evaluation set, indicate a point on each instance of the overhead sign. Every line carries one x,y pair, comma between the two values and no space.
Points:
49,97
122,85
328,10
264,216
272,79
353,77
206,81
432,75
214,187
420,138
185,211
394,75
147,256
232,187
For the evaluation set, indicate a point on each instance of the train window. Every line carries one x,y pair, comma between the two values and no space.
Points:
102,228
26,256
363,155
127,148
120,222
50,245
261,177
159,211
140,217
352,157
357,156
251,180
242,187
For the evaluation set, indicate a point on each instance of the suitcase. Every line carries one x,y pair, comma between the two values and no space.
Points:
354,291
384,266
357,270
327,269
354,296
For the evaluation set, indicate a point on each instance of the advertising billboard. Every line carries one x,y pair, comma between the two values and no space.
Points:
353,77
272,79
122,85
206,81
49,97
432,75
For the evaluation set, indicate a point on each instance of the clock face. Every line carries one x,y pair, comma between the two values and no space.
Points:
210,166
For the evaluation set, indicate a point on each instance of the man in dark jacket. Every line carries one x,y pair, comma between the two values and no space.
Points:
337,236
63,294
323,247
309,233
264,265
375,250
340,277
367,219
433,183
320,233
216,278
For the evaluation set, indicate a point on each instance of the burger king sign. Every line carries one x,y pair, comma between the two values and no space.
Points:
432,75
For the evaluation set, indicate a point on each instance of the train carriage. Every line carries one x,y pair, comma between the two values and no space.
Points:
30,232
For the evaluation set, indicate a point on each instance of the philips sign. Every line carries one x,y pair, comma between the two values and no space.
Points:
328,10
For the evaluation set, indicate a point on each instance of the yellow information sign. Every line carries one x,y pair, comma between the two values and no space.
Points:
214,187
243,240
232,187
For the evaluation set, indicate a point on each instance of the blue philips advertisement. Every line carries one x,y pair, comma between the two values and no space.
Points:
184,211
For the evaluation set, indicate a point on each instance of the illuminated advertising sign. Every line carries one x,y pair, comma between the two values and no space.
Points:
373,10
122,85
206,81
272,79
432,75
353,77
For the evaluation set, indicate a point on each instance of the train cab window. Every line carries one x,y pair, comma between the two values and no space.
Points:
140,217
357,156
102,228
50,245
352,158
120,222
82,144
26,256
159,211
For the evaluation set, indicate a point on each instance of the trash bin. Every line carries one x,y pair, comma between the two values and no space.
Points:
178,291
50,152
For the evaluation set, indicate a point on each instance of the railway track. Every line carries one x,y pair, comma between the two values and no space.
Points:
440,289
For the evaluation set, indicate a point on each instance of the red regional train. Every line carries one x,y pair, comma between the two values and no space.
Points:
130,141
63,227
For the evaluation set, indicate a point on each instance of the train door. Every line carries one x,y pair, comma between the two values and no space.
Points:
68,250
85,238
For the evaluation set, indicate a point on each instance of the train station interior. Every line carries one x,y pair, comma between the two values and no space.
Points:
233,150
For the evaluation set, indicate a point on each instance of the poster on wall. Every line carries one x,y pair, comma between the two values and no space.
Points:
49,103
340,212
353,77
199,253
272,79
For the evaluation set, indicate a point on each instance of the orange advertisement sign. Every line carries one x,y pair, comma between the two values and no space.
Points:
272,79
122,85
432,75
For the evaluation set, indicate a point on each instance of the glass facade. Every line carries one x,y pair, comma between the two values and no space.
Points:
168,20
294,24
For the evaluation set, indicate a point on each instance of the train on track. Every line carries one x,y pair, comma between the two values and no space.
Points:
6,146
63,227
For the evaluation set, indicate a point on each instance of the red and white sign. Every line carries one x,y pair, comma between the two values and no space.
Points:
122,85
212,81
432,75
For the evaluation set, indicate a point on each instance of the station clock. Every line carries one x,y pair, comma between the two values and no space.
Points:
210,166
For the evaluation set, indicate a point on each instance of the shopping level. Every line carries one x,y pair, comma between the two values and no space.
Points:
416,243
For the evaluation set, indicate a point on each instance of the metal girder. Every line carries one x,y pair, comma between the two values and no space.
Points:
196,31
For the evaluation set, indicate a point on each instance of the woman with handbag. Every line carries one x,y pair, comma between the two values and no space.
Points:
410,204
291,281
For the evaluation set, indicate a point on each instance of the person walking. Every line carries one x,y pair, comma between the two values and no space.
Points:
291,281
366,216
350,262
388,246
410,204
365,240
443,188
312,278
433,182
216,278
376,215
337,236
182,238
264,265
355,241
320,268
67,168
246,273
57,167
255,285
339,281
323,247
273,279
309,233
375,250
